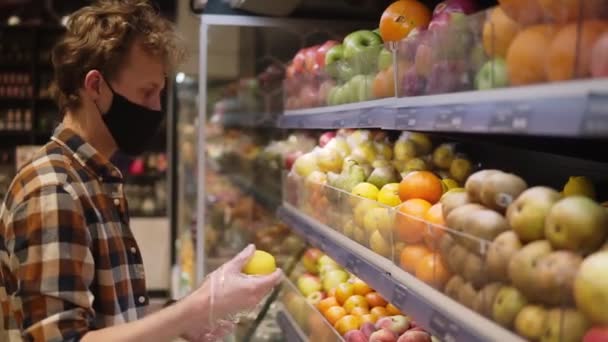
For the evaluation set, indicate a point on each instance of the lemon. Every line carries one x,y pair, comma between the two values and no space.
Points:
366,190
261,263
579,185
389,195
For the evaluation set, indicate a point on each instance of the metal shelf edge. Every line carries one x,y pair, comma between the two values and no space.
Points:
445,318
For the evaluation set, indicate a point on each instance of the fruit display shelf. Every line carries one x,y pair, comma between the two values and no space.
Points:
566,109
290,328
433,310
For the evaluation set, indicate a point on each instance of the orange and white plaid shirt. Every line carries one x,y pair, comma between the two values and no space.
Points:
68,260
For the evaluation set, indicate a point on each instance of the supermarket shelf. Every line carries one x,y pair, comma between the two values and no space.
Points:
290,328
445,318
250,188
567,109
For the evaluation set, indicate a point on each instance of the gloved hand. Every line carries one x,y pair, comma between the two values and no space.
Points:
228,293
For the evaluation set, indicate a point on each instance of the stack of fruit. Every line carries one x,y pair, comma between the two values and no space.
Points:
529,258
354,309
306,84
382,195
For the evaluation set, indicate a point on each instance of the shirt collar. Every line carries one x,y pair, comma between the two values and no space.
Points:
86,154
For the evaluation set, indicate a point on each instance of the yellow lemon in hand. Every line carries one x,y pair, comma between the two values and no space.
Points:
261,263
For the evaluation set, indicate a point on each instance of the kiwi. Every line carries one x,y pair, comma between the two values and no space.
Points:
457,218
484,225
504,246
452,287
485,299
499,190
473,184
466,295
456,259
453,200
474,271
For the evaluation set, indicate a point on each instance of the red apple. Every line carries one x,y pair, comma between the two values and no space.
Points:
596,334
310,59
355,336
383,335
308,96
298,61
312,255
368,329
326,137
397,324
290,158
322,50
415,336
599,57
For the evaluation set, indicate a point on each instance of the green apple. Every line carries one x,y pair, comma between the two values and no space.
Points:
308,284
334,278
385,59
335,54
332,99
578,224
361,41
493,74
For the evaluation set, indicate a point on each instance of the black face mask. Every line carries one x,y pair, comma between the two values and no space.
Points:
132,126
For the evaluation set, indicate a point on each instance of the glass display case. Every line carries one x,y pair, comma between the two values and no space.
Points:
428,167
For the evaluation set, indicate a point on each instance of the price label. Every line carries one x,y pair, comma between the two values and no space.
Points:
406,120
449,120
365,120
508,121
338,123
443,328
595,120
354,265
400,294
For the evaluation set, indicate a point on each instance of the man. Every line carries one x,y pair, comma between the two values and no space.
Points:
70,267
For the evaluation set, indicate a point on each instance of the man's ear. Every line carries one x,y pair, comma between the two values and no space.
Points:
92,84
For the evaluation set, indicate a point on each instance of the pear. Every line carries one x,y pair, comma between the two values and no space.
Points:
499,254
579,186
365,152
460,168
577,223
466,295
379,219
380,245
556,274
531,322
422,142
352,175
384,149
452,287
443,156
527,214
484,225
361,209
415,164
404,150
500,189
306,164
382,176
485,299
474,270
507,304
329,160
523,267
378,163
591,287
565,325
474,182
452,200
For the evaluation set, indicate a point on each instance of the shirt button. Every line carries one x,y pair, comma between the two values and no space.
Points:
116,201
133,250
141,299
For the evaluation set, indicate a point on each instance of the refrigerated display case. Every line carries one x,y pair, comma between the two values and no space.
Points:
462,178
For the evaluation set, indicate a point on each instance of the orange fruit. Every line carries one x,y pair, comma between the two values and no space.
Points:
331,292
432,270
355,301
409,224
498,33
359,311
334,314
347,323
368,318
523,11
392,310
361,288
327,303
375,299
526,56
343,291
569,54
564,11
433,234
421,184
411,255
379,311
400,17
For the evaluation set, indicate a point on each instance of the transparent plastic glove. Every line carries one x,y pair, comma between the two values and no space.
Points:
222,329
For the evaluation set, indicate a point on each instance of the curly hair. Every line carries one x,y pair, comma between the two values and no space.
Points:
99,37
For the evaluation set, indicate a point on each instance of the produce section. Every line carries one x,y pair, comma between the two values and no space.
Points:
444,155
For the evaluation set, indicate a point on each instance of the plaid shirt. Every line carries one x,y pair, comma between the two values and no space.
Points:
69,262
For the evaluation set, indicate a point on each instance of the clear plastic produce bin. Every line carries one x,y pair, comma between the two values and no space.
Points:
306,316
512,45
479,273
